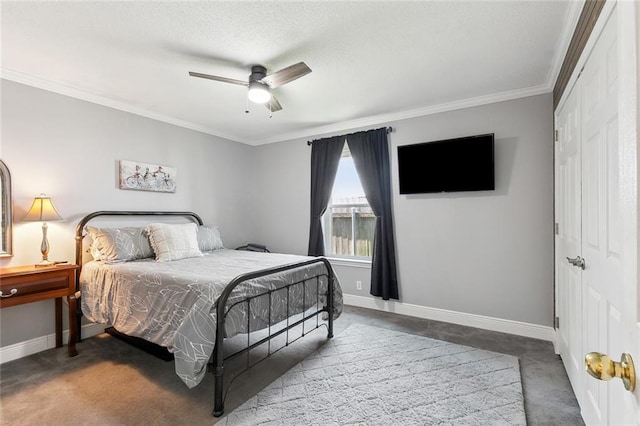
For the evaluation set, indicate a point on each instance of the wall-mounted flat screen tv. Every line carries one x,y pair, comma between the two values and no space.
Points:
451,165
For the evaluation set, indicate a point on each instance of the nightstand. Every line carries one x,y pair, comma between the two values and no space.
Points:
26,284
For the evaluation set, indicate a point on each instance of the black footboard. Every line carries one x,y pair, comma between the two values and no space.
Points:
222,310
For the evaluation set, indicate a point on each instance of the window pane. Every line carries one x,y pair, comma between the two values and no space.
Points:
348,214
347,184
342,237
366,222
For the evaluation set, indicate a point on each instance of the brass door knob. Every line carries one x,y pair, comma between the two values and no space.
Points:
602,367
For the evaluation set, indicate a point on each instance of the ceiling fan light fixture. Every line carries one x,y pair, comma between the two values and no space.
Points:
259,92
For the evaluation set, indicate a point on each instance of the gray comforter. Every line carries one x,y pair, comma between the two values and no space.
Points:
172,304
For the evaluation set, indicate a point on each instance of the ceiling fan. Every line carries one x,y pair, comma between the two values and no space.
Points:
260,84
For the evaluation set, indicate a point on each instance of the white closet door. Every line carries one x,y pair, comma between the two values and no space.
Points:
601,237
569,239
596,207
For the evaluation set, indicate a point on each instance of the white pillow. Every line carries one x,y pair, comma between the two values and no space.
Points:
209,238
114,245
173,241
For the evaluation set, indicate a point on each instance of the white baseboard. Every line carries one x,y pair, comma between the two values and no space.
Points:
38,344
556,344
471,320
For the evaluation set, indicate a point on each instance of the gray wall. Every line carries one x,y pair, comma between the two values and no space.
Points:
69,150
481,253
484,253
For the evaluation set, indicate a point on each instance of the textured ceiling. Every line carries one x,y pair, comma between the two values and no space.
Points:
371,61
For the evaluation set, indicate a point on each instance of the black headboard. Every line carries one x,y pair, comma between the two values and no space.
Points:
80,234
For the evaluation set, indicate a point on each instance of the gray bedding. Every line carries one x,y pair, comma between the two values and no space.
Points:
172,304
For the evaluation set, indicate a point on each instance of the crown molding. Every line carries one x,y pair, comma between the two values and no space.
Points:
562,46
74,92
77,93
418,112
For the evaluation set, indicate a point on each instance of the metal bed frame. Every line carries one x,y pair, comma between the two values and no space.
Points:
217,363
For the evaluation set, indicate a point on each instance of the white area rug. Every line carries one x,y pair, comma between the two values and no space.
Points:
373,376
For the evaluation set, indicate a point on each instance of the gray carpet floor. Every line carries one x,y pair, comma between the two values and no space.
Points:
112,383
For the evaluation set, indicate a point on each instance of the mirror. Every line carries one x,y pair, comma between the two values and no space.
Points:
5,213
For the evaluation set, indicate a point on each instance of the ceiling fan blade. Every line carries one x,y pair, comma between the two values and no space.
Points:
215,77
273,104
286,75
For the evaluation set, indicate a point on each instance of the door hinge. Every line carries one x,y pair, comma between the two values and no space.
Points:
556,228
556,135
556,323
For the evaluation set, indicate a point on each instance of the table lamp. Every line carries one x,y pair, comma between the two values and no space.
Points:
42,210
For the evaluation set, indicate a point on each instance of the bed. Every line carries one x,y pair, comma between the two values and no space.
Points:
176,286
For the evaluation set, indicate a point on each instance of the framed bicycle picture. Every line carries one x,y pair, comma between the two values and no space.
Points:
147,177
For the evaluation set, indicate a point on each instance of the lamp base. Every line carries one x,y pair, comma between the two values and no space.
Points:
44,264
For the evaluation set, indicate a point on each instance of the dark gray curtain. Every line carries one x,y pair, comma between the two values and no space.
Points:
325,157
370,152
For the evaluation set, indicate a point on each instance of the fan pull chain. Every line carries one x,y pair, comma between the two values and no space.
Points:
270,108
246,111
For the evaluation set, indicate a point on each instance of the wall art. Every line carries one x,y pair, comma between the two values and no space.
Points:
147,177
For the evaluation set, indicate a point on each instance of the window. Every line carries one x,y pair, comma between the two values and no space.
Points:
349,222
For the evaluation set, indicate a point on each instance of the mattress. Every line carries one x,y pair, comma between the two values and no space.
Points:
173,304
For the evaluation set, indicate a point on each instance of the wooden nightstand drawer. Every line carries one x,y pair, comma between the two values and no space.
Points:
17,287
30,285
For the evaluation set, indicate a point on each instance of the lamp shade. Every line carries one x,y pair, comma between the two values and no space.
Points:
42,210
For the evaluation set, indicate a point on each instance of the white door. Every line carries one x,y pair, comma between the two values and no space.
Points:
601,233
568,236
604,292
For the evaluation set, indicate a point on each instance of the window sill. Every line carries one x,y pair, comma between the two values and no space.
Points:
357,263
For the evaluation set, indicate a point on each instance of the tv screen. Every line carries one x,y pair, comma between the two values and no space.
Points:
452,165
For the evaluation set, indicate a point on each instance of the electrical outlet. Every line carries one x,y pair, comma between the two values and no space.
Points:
358,285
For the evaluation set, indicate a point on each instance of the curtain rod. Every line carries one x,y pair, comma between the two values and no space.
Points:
389,130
